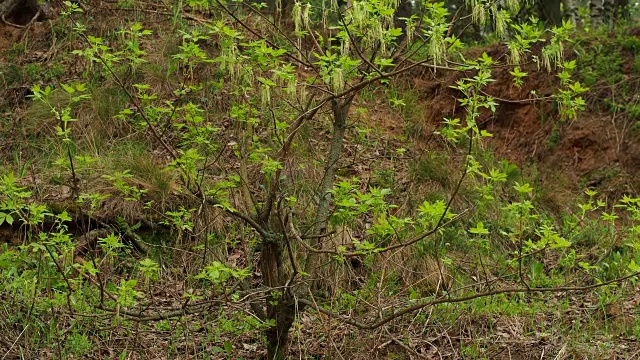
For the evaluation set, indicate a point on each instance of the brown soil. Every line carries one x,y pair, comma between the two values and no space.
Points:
599,150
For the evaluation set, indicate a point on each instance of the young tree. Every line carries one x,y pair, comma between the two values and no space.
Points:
342,52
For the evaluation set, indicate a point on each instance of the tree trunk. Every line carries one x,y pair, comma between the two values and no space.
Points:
280,306
283,312
570,10
550,12
340,111
403,12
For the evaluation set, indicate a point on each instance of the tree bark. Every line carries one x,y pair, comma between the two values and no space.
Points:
550,12
340,110
403,12
280,306
283,312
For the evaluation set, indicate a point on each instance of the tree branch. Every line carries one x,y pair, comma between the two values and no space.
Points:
409,309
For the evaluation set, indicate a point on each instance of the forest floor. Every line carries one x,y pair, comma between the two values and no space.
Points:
599,149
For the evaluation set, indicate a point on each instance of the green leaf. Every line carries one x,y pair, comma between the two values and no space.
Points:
633,266
68,89
227,347
523,189
479,229
6,218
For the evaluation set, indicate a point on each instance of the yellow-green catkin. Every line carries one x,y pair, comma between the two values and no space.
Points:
265,95
478,14
512,5
337,79
501,23
296,14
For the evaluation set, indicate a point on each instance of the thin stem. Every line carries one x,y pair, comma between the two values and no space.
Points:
444,300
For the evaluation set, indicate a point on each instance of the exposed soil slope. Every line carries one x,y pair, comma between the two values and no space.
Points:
598,149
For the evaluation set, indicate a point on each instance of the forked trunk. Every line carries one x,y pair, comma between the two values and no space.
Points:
550,12
280,305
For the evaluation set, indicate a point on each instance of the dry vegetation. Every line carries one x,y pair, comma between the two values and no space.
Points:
385,146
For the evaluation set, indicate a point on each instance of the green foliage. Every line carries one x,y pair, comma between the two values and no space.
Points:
218,273
78,344
126,294
525,35
234,141
604,62
130,192
568,97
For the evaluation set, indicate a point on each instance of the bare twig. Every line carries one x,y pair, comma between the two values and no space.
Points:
446,300
14,343
389,248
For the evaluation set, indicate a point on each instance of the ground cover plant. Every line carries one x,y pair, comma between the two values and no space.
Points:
209,179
